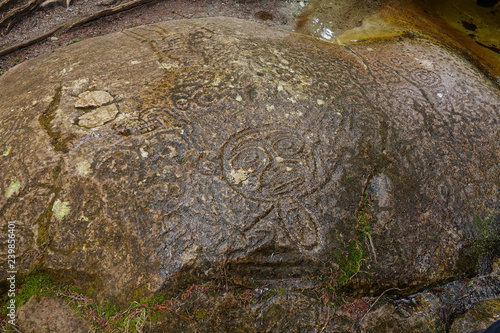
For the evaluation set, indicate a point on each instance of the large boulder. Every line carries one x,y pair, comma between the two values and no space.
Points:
198,149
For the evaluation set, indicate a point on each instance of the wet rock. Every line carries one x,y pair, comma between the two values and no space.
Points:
496,267
435,309
49,314
285,313
255,156
93,98
479,317
422,318
99,116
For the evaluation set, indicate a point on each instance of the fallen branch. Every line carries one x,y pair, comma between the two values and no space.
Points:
62,28
20,10
28,42
3,3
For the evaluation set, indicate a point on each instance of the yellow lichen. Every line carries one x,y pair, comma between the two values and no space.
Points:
84,168
7,152
239,176
13,188
61,209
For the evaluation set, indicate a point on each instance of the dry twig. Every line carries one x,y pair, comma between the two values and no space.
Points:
371,307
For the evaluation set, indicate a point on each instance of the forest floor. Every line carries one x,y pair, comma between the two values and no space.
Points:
277,13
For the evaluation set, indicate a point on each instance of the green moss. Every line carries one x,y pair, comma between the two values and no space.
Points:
363,217
349,261
44,222
487,241
486,310
383,130
140,293
276,292
200,314
35,283
58,140
73,41
350,258
109,309
56,172
40,283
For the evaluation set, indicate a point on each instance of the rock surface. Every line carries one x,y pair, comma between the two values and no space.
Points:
93,98
49,314
99,116
434,310
481,316
387,319
249,152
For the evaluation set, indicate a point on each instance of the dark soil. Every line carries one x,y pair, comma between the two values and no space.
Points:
278,13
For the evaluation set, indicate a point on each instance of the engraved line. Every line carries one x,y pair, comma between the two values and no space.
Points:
259,218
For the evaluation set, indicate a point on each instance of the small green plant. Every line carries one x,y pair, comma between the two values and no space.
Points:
104,318
35,284
363,217
200,314
16,60
349,261
351,257
73,41
277,292
488,237
383,131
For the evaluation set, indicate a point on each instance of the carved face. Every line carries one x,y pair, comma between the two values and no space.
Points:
266,164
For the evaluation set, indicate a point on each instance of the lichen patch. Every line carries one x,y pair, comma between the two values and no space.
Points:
13,188
239,176
84,168
61,209
7,151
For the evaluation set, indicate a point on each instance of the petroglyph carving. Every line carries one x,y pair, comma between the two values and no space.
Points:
278,166
249,151
425,77
142,122
196,95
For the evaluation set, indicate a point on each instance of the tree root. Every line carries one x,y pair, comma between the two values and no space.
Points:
74,24
20,10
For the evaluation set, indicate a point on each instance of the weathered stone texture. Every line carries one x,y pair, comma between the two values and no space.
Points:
248,149
49,314
481,316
